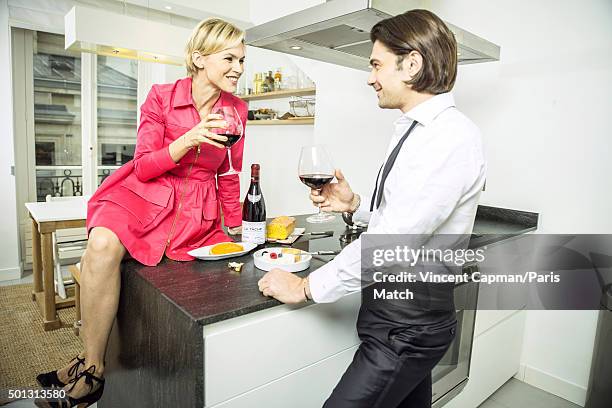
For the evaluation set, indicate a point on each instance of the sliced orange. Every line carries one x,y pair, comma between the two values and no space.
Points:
226,248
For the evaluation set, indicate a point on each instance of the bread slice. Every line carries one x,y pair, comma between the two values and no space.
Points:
280,227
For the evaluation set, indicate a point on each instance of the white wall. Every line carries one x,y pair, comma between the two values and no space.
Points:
10,267
544,111
275,147
348,122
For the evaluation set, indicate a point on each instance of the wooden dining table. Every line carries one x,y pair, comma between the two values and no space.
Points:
48,217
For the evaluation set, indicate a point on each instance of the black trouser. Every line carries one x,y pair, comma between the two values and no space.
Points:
395,372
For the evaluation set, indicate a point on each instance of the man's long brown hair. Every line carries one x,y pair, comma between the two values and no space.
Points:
424,32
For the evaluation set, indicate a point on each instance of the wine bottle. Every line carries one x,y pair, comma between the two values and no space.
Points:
254,211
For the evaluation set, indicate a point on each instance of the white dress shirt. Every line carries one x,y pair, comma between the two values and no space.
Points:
433,188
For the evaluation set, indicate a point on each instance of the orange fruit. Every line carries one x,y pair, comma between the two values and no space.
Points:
226,248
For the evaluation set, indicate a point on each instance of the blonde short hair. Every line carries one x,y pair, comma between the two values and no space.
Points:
210,36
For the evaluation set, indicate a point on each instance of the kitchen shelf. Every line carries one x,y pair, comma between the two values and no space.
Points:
284,93
264,122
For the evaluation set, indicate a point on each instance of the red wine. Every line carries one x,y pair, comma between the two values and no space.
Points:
254,211
231,140
316,181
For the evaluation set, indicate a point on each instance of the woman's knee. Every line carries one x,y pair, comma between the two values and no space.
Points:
104,243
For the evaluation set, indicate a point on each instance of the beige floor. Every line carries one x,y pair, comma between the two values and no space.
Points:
513,394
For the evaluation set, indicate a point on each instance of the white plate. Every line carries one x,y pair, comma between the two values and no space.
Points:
265,265
204,254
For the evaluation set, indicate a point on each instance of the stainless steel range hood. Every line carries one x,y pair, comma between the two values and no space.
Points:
338,32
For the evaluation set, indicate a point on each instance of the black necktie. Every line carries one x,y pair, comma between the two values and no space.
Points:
378,190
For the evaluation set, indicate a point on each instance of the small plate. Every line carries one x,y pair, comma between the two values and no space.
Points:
204,254
264,265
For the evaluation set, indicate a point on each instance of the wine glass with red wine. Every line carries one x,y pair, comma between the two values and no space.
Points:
233,131
316,170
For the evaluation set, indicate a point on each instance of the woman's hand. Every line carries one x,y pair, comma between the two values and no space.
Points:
199,134
336,197
234,230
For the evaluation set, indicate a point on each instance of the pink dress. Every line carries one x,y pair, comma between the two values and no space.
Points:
156,206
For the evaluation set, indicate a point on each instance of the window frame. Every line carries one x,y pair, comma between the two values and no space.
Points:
22,40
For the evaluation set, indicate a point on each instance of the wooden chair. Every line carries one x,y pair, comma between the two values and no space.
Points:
75,271
68,245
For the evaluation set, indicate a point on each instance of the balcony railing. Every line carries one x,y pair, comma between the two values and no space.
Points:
69,181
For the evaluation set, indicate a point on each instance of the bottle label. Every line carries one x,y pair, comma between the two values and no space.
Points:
254,198
254,232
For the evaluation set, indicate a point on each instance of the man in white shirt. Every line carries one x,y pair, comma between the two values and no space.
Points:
429,184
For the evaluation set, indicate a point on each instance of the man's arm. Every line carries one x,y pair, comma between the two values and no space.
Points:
430,191
339,277
327,284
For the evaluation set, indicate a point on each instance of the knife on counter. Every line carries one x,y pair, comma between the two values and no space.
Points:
318,233
324,253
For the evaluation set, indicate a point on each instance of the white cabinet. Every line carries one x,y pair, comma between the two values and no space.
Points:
245,353
496,355
306,388
294,356
486,319
498,334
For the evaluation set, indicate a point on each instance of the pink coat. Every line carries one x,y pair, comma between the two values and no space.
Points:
150,203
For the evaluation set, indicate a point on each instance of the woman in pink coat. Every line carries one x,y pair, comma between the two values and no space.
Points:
166,200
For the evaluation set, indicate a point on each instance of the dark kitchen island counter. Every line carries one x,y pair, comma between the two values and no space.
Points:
156,350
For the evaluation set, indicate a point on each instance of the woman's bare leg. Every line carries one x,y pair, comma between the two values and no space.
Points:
100,287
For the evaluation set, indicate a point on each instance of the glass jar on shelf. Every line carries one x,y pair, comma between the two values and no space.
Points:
289,81
304,81
278,79
269,82
300,79
257,83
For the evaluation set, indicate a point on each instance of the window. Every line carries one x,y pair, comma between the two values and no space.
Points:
47,83
57,117
117,90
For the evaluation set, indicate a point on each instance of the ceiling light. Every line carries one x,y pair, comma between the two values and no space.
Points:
86,30
168,7
295,47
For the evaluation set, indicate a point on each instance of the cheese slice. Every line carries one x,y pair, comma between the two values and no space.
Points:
297,254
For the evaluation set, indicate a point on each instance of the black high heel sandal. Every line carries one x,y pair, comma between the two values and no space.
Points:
50,379
82,402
